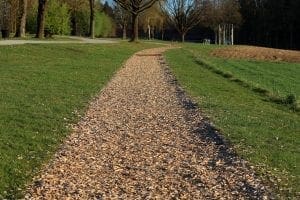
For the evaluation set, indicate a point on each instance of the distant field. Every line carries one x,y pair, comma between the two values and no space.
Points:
263,132
42,90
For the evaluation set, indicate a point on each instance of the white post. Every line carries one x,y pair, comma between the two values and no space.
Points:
149,33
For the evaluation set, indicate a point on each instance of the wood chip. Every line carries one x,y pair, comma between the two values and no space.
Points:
142,138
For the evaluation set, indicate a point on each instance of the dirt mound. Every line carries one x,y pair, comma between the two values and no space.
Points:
257,53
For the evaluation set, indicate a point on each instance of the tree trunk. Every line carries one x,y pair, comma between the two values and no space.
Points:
219,31
21,23
19,16
41,19
224,34
182,37
74,29
149,29
162,31
135,28
92,18
153,32
216,37
149,32
124,31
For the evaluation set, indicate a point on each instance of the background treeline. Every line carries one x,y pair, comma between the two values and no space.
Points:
256,22
273,23
62,17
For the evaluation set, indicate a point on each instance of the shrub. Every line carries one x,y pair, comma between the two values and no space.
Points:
104,26
290,99
58,18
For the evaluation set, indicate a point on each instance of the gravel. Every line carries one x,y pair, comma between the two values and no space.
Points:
142,138
77,40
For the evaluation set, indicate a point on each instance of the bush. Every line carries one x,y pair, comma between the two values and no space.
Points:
58,18
58,21
104,26
290,99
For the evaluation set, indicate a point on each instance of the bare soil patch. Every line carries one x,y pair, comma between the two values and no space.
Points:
257,53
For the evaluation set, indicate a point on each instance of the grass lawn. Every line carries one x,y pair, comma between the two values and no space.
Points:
279,79
42,90
265,133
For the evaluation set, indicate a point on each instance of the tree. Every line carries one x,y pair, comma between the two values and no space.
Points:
21,22
183,14
230,17
221,16
41,18
108,10
80,15
135,7
152,21
122,17
5,16
9,10
92,18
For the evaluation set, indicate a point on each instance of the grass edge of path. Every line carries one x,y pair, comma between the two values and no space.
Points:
192,83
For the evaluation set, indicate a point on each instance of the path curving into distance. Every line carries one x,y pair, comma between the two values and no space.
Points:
142,138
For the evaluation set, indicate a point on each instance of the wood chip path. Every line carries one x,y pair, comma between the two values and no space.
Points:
141,138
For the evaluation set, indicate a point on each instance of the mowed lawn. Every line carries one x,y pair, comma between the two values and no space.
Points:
263,132
278,78
43,89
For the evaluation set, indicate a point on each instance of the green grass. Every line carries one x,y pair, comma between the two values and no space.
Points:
265,133
278,79
42,88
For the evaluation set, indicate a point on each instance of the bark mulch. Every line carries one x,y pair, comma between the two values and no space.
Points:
142,138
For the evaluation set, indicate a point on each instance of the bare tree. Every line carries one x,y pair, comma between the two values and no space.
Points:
135,7
152,21
122,17
41,18
230,17
212,17
21,22
183,14
92,18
